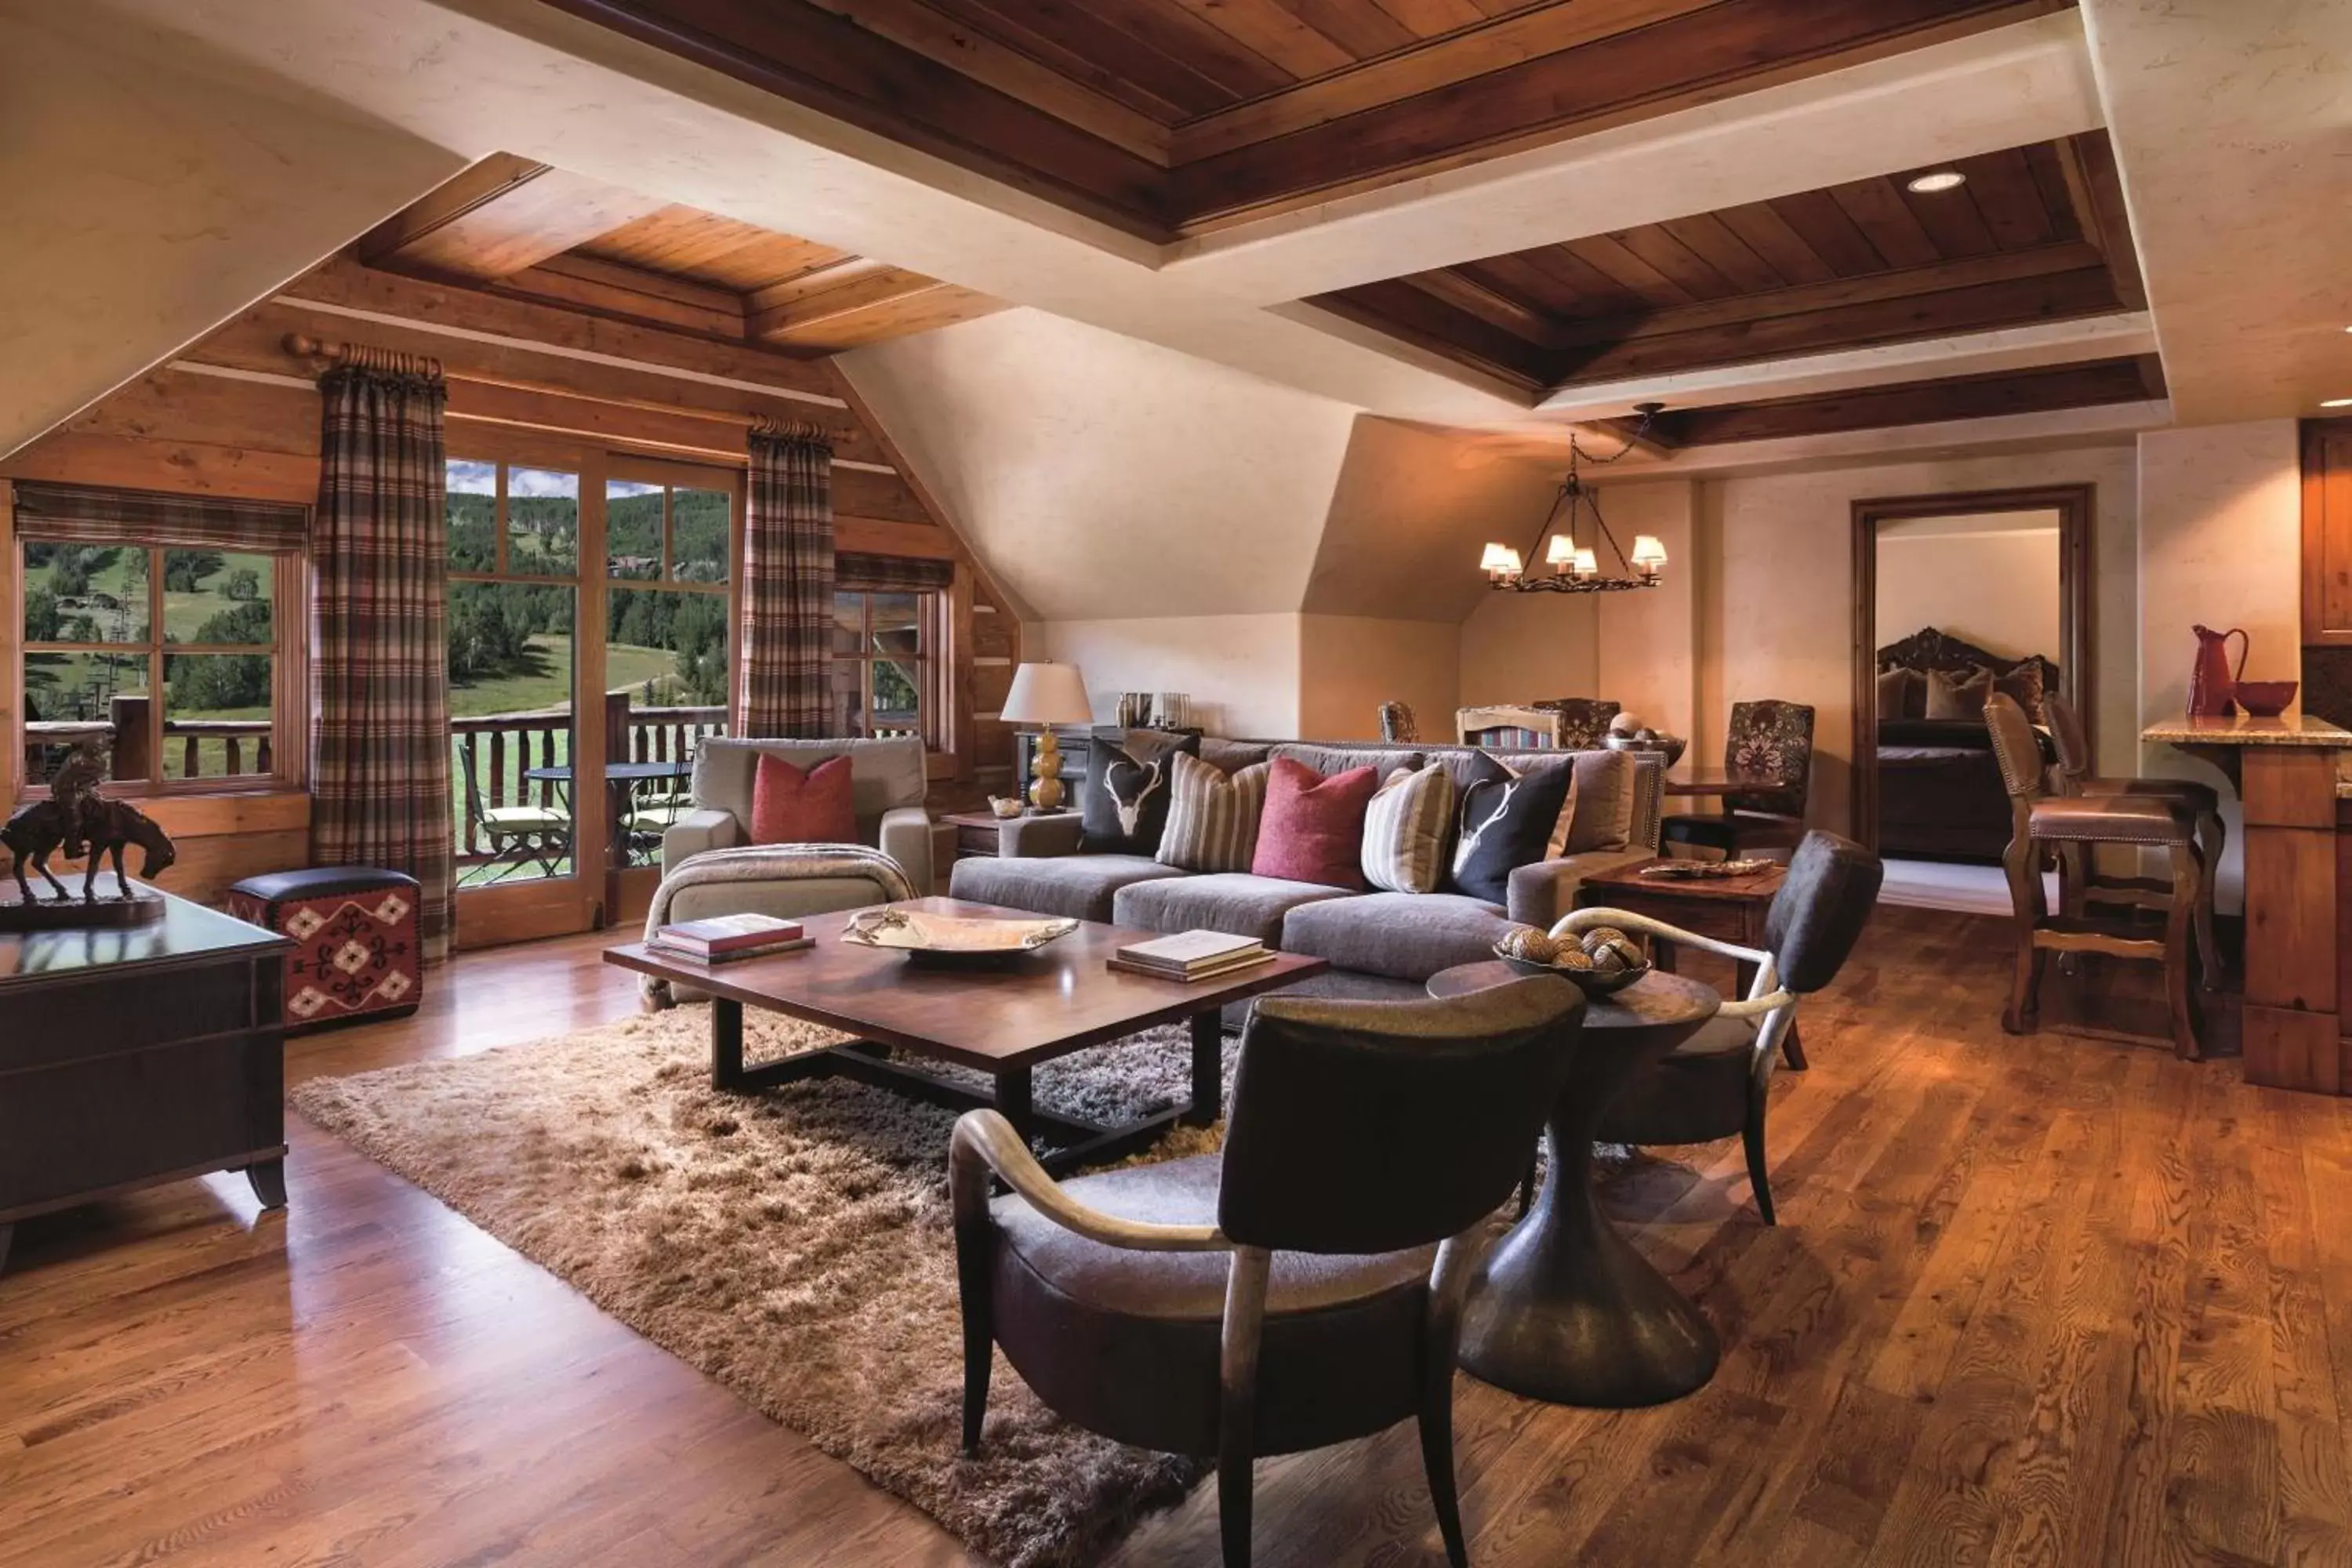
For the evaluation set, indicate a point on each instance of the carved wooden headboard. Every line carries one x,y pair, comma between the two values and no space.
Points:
1928,648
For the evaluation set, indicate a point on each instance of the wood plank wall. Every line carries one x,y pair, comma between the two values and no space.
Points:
235,414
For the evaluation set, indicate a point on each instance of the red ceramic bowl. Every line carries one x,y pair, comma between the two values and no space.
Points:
2263,698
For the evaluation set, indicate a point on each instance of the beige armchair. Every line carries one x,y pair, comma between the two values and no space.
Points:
887,789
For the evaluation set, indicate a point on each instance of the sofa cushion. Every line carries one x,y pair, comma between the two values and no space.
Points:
1212,816
1236,903
1079,886
793,806
1600,810
1123,805
1408,828
1508,819
1402,936
1331,760
1312,829
1233,756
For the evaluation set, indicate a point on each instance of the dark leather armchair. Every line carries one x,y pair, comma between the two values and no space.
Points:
1303,1287
1714,1083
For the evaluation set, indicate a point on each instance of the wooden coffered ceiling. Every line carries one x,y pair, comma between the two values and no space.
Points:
2036,233
1168,117
514,227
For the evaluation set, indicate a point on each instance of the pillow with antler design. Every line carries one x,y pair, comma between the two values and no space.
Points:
1123,809
1507,822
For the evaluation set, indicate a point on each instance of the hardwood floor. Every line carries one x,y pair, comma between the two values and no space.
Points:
2040,1300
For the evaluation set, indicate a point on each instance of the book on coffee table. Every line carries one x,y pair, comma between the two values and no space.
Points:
1190,956
722,937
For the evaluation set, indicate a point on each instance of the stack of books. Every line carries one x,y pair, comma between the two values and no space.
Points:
723,938
1190,956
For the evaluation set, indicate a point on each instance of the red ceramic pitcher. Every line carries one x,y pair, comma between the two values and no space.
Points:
2211,681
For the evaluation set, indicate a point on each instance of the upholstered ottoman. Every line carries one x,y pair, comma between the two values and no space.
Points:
354,931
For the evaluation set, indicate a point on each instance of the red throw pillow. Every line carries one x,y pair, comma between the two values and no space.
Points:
1312,829
793,806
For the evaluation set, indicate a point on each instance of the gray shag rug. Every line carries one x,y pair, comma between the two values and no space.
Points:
796,1246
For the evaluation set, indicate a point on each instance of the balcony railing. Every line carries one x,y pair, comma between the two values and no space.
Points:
193,748
504,747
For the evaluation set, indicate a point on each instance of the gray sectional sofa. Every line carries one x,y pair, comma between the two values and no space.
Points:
1379,944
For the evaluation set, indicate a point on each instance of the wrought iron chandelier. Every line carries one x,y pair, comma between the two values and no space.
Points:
1576,569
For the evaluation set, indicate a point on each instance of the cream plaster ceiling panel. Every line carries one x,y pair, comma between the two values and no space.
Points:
155,191
1102,477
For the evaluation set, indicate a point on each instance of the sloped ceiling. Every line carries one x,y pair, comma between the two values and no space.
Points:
175,188
1103,477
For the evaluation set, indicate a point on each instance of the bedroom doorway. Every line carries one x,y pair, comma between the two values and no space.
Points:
1958,596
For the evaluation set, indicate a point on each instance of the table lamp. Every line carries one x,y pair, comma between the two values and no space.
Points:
1046,694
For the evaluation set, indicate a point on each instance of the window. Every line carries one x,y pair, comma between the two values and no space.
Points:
514,596
882,645
108,626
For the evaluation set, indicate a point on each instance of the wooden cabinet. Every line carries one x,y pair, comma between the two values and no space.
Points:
2327,533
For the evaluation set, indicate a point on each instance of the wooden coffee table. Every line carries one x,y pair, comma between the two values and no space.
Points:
1729,908
999,1021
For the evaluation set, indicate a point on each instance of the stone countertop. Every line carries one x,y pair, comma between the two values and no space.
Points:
2244,730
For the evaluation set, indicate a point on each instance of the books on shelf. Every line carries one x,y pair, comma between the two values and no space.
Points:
1190,956
723,937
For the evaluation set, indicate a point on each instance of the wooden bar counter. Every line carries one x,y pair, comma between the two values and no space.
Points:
2285,770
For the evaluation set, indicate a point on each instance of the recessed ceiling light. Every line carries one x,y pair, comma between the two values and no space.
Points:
2336,403
1941,180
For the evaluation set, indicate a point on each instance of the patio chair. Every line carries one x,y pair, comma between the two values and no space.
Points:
518,835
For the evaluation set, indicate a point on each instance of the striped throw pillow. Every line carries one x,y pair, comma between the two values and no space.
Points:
1406,829
1211,815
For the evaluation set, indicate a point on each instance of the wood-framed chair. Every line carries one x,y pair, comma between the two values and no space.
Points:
1510,728
2079,880
2044,825
1770,738
1583,721
518,835
1303,1287
1717,1082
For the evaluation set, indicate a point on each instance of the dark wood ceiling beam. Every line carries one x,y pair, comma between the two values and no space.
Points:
498,217
1490,305
789,318
1838,293
2088,384
812,56
470,187
1402,312
1649,68
2056,297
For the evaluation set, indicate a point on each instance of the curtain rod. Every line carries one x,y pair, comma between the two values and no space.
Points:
365,355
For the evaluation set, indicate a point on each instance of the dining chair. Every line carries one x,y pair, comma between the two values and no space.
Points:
1304,1287
1772,739
1717,1082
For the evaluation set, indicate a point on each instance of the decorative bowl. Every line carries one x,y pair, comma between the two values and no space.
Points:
2263,698
1669,746
1006,806
952,941
1591,982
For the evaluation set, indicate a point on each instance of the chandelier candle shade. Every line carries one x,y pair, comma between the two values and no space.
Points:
1046,694
1576,569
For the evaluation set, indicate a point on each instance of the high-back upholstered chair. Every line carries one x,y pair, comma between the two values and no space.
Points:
2079,881
1398,723
2042,824
1714,1084
1583,720
887,786
1303,1287
1773,739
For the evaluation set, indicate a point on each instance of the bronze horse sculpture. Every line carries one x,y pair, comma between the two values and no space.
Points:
78,819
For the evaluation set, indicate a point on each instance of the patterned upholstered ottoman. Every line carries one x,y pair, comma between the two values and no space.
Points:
354,931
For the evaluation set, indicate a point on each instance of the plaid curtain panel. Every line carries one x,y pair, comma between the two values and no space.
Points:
891,574
784,644
87,514
379,676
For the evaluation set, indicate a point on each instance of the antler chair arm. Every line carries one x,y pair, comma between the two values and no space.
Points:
985,1142
1762,996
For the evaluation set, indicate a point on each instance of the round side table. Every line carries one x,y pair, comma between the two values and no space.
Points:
1565,1310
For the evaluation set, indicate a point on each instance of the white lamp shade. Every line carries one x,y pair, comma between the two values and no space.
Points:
1587,563
1562,551
1046,693
1498,558
1647,551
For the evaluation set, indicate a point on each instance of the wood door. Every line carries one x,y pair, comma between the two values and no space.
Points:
2327,533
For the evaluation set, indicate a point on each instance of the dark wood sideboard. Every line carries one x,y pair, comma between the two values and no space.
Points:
133,1056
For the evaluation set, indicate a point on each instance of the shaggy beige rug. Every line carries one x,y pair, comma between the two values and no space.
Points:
796,1246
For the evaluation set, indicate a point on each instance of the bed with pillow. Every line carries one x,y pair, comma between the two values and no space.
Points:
1939,789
